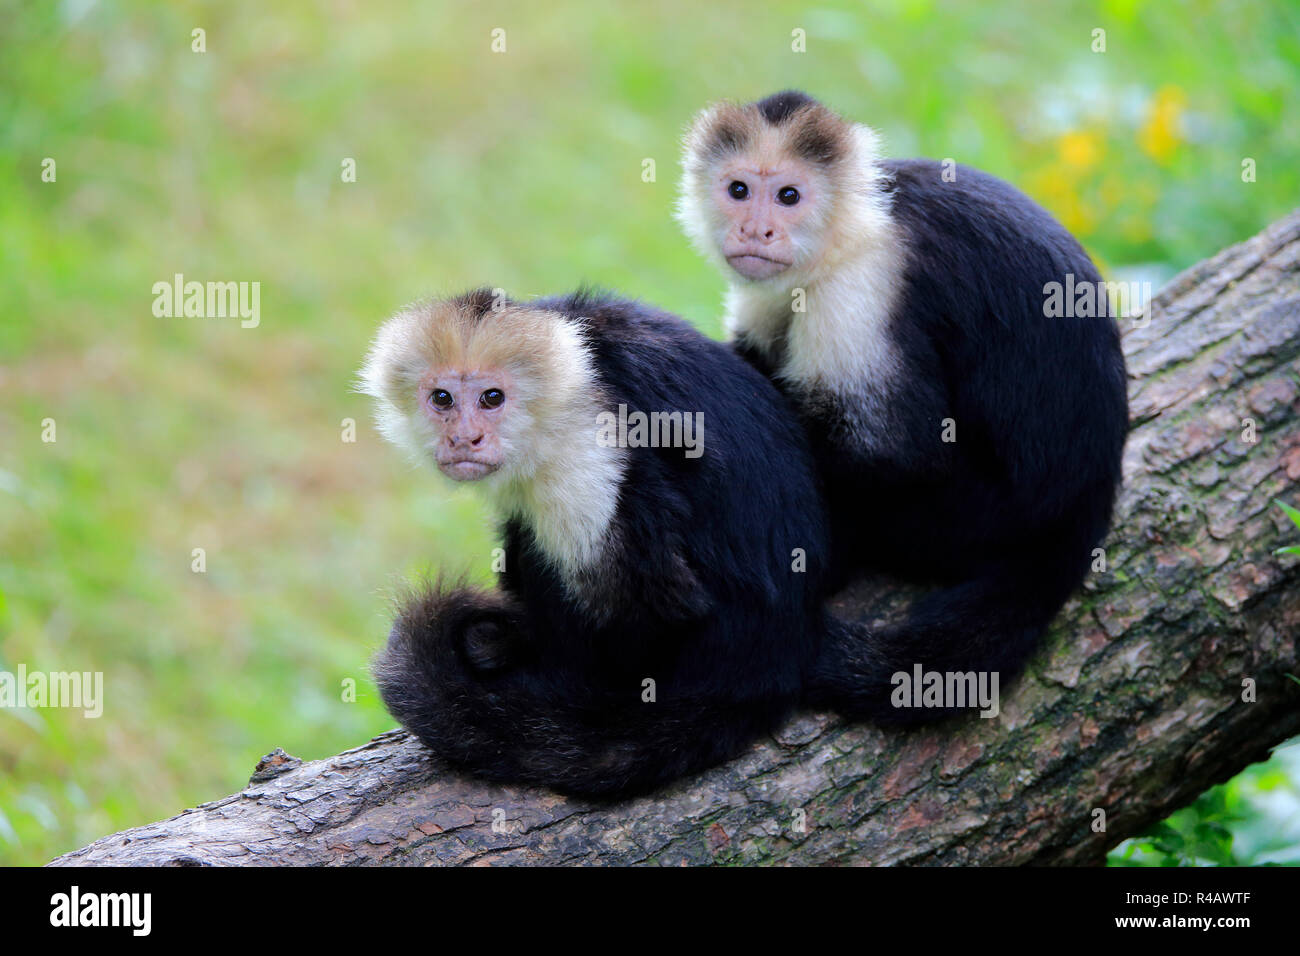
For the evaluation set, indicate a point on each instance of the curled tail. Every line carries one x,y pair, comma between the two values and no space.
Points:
983,627
462,673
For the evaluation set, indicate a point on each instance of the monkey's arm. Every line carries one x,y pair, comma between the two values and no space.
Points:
896,439
646,574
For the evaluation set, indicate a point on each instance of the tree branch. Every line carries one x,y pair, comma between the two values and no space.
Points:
1134,705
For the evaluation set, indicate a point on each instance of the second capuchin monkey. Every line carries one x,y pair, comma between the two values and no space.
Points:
665,542
963,433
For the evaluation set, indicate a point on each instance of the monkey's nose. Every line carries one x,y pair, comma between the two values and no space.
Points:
456,441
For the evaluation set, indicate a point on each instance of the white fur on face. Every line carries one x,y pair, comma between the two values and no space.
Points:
849,265
555,477
702,205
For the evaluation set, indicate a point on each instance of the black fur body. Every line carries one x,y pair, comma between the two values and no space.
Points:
538,683
1005,518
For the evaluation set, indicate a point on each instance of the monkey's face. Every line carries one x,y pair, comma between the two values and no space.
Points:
774,189
468,409
767,211
490,392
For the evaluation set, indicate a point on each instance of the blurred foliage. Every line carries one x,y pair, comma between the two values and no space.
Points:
1294,515
520,169
1252,820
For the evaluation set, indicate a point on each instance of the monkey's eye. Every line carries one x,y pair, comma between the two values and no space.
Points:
738,190
441,398
787,196
492,398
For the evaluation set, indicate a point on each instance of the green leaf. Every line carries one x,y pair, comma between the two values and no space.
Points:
1291,513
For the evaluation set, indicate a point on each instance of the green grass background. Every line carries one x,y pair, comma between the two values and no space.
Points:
521,170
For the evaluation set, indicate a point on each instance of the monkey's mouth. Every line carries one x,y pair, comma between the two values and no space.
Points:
467,469
752,265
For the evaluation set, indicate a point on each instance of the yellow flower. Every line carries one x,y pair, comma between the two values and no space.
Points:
1161,133
1054,186
1080,150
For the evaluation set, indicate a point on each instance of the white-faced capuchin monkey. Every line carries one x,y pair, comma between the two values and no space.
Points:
963,435
661,602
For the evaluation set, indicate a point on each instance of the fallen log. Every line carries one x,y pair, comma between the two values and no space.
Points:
1165,675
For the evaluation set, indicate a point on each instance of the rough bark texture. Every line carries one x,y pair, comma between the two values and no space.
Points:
1134,704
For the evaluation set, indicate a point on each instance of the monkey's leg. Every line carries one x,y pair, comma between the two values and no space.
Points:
533,721
485,630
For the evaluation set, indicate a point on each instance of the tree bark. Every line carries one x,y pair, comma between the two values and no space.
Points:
1166,674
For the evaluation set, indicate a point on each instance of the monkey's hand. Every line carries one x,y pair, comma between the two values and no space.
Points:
460,673
464,629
